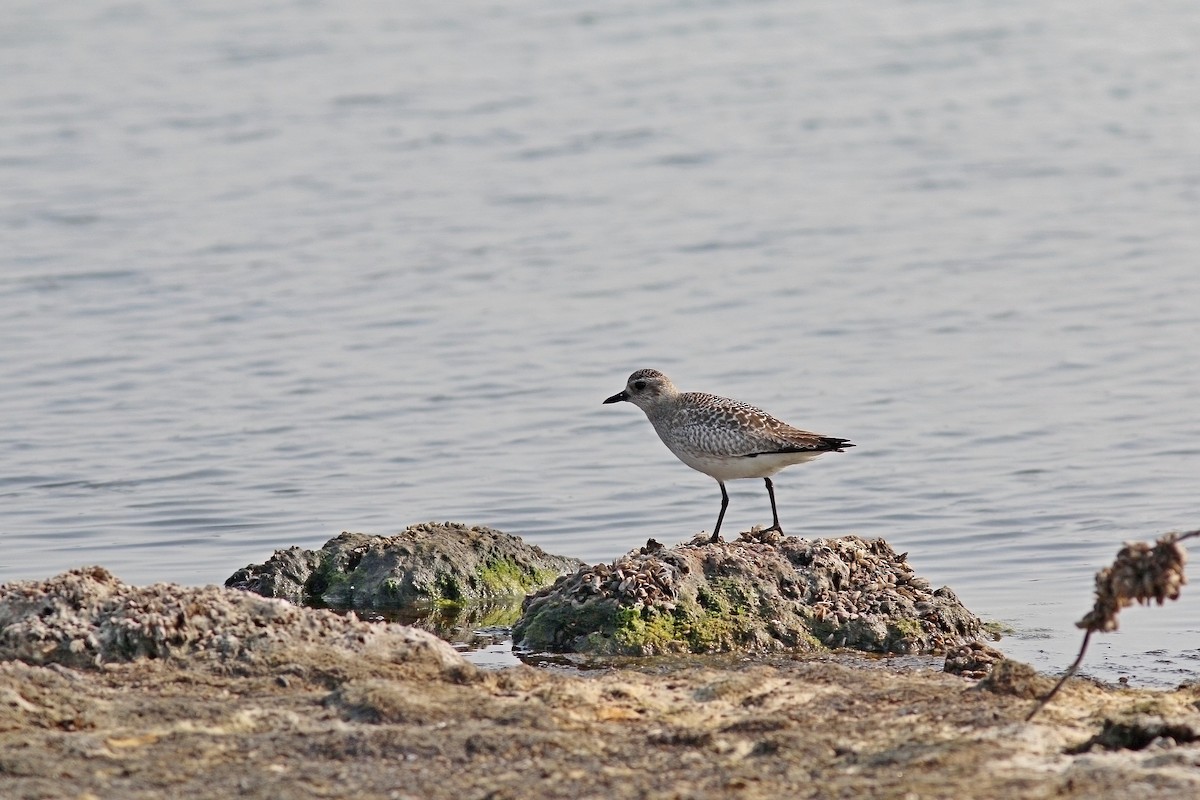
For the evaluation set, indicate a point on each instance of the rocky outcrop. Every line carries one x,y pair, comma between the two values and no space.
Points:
428,564
87,618
111,690
762,592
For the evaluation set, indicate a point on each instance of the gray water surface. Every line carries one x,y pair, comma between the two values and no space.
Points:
273,270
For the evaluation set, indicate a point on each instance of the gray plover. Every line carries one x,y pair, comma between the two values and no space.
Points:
725,439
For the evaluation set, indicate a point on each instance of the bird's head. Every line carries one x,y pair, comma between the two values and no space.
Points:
645,388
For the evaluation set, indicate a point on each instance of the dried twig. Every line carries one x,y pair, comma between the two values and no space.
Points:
1141,572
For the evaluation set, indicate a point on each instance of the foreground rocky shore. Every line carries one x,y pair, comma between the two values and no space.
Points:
111,690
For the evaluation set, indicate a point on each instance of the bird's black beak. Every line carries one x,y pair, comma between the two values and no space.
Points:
616,398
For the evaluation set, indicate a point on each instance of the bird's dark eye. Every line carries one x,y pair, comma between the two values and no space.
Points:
639,385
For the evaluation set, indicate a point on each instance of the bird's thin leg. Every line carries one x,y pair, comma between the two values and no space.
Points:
721,516
774,512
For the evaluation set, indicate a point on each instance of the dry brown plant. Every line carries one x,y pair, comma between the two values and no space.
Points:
1142,572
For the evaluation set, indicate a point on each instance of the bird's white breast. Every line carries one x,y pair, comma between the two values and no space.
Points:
731,468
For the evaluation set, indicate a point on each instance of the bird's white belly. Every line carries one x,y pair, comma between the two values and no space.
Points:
731,468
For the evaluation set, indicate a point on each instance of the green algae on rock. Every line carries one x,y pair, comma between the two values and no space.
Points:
440,564
762,592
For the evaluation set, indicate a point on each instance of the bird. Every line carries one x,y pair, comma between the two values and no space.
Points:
723,438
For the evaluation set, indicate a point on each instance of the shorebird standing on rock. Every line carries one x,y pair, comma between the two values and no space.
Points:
725,439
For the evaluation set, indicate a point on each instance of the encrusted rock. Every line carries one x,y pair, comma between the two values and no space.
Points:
1141,731
1015,679
424,564
87,617
761,592
972,659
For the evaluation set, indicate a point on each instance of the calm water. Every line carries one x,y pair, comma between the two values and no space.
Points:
273,270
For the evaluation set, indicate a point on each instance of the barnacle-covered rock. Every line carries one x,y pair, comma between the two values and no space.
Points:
431,564
972,659
87,618
762,592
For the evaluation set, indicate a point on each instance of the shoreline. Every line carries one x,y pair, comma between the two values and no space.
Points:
253,697
804,728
